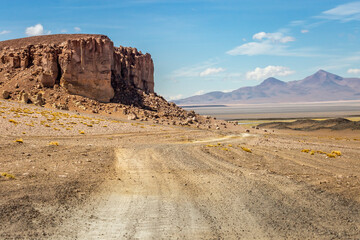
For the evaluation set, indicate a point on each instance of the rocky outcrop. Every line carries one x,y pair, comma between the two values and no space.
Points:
86,65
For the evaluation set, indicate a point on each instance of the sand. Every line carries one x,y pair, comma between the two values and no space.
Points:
133,180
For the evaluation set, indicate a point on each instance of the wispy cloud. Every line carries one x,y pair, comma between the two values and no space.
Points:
274,44
193,71
269,71
355,71
272,49
345,12
200,92
304,31
77,29
4,32
211,71
176,97
276,37
297,23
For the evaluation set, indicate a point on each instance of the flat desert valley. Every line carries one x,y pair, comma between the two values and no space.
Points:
68,175
330,109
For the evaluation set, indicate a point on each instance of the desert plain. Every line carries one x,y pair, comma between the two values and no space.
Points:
71,175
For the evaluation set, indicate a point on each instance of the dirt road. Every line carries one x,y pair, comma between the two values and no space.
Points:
185,191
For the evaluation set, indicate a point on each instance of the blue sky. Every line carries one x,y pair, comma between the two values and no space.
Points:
201,46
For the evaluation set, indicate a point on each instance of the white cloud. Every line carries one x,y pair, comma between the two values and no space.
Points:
355,71
275,44
274,37
77,29
345,12
63,31
227,91
269,71
192,71
4,32
304,31
200,92
211,71
179,96
260,48
259,36
272,49
36,30
297,23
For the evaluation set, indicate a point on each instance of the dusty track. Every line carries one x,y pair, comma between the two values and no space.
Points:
181,191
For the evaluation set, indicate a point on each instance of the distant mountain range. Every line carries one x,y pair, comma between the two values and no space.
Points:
321,86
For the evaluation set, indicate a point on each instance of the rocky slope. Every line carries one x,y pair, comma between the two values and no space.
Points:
321,86
86,73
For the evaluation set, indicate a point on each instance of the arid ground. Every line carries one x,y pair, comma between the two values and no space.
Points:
70,176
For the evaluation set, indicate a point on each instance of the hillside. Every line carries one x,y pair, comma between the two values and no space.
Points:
321,86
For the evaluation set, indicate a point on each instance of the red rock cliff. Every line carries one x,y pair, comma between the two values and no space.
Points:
86,65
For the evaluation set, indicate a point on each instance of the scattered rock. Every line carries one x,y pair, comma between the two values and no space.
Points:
6,94
23,97
132,116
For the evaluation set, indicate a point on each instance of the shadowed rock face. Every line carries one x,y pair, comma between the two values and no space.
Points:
86,65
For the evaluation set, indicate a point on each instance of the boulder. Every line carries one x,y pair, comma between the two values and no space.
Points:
132,116
6,94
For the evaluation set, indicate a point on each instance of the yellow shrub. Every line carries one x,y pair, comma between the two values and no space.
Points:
81,132
321,152
54,143
336,153
230,145
331,155
13,121
19,140
312,152
305,150
246,149
10,176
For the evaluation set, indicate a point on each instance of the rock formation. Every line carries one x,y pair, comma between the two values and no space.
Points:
86,73
86,65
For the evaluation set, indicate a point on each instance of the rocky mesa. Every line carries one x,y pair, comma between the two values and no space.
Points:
86,73
86,65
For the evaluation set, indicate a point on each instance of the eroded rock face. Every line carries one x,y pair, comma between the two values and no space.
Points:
86,68
86,65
